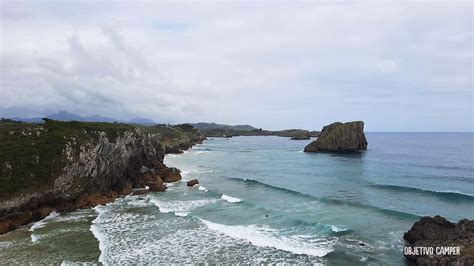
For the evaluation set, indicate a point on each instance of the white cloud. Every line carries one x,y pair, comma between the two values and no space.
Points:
241,62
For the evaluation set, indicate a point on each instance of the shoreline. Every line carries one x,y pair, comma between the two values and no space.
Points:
95,199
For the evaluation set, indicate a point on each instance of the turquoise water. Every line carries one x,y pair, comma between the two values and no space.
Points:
261,199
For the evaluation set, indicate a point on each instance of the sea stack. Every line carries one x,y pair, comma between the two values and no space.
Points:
340,137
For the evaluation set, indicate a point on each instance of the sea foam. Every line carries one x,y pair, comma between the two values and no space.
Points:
178,207
337,229
230,199
42,223
181,214
268,237
98,234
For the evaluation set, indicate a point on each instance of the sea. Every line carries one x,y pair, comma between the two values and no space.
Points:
262,200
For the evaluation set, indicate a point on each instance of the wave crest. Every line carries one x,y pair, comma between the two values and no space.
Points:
230,199
452,195
44,221
268,237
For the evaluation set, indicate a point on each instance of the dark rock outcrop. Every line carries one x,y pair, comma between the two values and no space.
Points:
438,233
340,137
192,182
154,182
170,174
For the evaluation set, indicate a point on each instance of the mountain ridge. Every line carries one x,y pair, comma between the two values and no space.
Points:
66,116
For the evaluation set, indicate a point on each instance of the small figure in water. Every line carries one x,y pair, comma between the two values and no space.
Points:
266,215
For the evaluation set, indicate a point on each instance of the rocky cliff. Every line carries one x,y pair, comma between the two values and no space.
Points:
446,243
340,137
67,165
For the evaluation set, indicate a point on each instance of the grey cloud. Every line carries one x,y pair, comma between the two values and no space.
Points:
242,62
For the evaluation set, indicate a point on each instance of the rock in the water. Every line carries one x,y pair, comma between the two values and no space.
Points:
340,137
154,183
437,232
156,187
170,174
191,183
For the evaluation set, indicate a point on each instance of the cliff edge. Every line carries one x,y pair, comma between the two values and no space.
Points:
63,166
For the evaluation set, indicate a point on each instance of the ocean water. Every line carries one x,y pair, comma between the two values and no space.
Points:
262,200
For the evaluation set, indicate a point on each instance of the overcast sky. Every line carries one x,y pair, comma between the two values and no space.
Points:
398,66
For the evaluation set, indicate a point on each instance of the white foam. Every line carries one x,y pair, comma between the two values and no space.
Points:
337,229
138,238
99,209
34,238
178,206
41,223
203,188
181,214
268,237
138,203
164,210
79,215
230,199
101,237
196,171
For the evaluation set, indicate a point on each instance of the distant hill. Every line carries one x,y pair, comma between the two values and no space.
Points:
221,130
213,126
208,129
66,116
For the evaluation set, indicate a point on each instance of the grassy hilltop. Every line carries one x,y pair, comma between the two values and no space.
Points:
32,155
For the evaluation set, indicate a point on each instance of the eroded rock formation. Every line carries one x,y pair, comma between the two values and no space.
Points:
340,137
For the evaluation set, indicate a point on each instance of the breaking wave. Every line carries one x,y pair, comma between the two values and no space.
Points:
268,237
230,199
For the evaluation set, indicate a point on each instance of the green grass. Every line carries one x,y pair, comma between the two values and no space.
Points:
32,155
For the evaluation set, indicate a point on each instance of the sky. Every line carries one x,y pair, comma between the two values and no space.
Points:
398,65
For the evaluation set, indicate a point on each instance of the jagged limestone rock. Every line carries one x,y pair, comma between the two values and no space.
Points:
77,164
340,137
